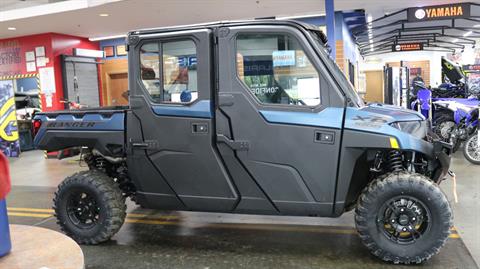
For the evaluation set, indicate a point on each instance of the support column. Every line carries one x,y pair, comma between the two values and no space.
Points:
330,20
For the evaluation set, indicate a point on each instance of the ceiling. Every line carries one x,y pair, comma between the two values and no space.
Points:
395,30
81,17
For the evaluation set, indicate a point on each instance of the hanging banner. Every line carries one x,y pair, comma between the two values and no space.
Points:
9,143
441,12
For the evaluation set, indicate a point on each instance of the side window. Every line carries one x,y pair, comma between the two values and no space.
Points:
180,72
276,69
150,69
178,83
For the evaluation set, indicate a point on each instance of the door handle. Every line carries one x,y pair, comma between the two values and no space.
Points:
233,144
324,137
147,144
225,99
199,128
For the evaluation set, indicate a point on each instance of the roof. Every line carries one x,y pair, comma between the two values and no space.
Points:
218,24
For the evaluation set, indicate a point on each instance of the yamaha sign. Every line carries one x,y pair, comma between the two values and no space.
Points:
407,47
442,12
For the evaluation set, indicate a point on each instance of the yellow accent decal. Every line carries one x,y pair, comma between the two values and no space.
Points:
8,118
394,143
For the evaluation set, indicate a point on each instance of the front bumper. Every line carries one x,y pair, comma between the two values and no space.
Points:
442,152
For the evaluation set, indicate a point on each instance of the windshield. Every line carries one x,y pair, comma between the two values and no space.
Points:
347,87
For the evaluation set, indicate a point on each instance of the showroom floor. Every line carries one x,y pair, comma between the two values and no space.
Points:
158,239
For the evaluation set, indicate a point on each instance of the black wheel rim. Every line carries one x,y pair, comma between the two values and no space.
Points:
82,209
404,219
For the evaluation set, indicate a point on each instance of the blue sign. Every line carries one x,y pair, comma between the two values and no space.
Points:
283,58
187,61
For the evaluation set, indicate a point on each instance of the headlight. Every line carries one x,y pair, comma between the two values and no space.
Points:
415,128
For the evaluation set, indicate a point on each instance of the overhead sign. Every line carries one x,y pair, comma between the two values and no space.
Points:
471,67
441,12
407,47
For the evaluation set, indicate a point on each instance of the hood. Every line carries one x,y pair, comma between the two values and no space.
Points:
377,118
391,113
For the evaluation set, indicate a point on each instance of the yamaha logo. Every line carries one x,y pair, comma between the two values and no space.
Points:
420,14
398,47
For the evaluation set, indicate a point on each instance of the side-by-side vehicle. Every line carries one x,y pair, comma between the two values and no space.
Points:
251,117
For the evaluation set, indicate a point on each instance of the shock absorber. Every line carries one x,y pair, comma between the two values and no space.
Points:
395,160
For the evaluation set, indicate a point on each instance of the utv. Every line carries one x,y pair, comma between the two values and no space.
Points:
251,117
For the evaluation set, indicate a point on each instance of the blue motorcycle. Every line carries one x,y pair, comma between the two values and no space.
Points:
456,120
453,119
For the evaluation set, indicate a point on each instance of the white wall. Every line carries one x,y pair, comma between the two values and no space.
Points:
377,62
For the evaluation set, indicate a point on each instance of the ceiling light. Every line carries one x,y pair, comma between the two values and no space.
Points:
455,40
468,33
369,18
103,14
371,41
476,25
12,28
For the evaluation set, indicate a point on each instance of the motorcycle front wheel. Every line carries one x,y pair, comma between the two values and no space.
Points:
471,150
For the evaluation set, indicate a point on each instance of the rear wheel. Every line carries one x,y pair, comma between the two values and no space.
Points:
403,218
89,207
471,150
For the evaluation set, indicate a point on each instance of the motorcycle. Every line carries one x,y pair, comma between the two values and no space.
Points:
456,120
421,100
453,119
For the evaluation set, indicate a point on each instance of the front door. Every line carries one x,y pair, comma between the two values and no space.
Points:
275,97
176,164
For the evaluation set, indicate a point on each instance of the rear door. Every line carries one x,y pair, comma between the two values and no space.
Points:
171,130
279,119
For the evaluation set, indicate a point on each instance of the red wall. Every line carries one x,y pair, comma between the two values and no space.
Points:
12,57
12,52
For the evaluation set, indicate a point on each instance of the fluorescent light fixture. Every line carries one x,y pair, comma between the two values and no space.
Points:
106,37
371,41
369,18
103,14
476,25
468,33
455,40
300,16
11,28
88,53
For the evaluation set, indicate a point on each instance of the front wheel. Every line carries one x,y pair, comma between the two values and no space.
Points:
89,207
471,150
403,218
